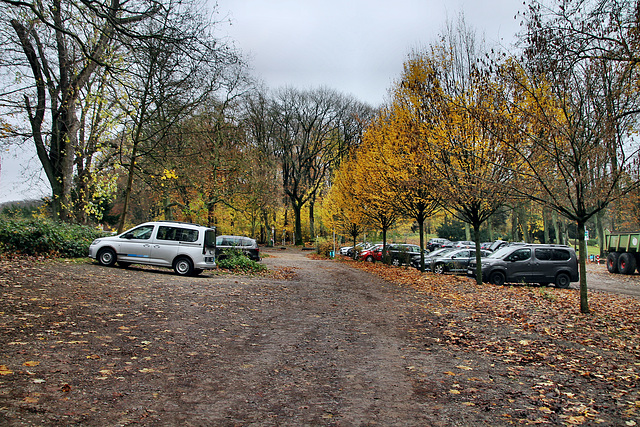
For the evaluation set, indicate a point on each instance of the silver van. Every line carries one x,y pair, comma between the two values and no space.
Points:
187,248
529,263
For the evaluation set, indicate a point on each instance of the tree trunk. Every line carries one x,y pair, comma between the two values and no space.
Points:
515,235
297,213
128,189
556,226
421,231
476,236
582,245
312,231
600,232
523,221
545,224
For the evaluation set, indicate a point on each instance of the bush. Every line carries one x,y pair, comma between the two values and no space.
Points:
325,248
36,237
237,261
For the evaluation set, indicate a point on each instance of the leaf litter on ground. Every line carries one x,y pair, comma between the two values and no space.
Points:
538,332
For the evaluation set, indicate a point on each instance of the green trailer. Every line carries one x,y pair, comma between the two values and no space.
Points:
624,252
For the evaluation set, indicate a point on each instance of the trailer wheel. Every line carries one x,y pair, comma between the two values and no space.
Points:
612,262
627,263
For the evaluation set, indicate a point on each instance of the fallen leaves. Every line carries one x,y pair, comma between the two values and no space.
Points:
530,328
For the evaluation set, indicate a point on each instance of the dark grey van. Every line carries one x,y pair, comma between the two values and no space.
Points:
529,263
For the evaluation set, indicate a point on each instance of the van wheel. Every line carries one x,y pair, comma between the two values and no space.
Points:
497,278
563,280
626,263
612,262
107,257
183,267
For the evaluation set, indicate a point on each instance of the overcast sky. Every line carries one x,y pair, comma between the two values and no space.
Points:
354,46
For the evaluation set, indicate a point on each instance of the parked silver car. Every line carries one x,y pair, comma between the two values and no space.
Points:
187,248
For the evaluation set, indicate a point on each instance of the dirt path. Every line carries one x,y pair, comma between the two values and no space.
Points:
599,279
97,346
329,345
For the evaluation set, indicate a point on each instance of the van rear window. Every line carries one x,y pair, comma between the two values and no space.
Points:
560,255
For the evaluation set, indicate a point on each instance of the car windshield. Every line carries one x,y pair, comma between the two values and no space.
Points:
501,253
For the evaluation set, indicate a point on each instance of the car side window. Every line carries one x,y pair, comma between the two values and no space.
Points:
177,234
520,255
166,233
186,235
140,233
543,254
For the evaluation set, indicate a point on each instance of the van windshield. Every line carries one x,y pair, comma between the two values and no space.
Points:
501,253
210,238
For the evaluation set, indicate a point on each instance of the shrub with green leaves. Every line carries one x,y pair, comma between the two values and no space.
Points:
37,237
235,260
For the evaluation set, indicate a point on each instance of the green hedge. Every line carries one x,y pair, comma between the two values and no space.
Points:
235,260
38,237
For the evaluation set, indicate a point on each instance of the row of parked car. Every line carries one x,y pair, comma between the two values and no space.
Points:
502,262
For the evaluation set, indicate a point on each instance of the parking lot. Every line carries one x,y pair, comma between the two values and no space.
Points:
314,342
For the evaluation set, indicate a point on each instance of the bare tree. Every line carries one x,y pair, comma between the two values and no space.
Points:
171,74
56,46
309,139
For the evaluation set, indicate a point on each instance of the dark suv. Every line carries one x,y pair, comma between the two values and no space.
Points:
529,263
402,253
247,245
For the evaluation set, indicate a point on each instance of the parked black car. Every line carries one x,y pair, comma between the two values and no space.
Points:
402,254
530,263
437,243
248,246
455,261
